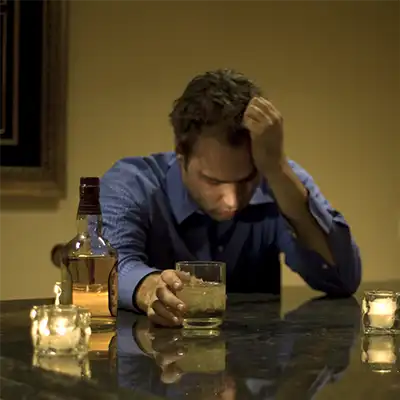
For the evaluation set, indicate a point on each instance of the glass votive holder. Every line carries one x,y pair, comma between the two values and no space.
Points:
381,312
381,352
60,330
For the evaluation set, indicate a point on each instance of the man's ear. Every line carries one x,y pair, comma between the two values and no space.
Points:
181,160
178,152
181,155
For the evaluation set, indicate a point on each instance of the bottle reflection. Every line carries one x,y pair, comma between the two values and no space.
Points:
294,356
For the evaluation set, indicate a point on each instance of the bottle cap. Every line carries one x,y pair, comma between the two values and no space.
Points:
90,180
89,191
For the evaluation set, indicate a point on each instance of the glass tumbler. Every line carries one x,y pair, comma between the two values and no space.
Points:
203,293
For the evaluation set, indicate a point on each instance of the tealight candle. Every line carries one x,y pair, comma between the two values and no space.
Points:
60,329
63,337
380,311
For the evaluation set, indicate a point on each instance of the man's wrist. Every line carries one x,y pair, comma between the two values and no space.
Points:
144,291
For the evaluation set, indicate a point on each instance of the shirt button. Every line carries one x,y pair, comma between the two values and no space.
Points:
220,248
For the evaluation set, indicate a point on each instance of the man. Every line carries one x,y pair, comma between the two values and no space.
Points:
227,193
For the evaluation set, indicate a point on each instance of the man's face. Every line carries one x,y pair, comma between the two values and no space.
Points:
220,178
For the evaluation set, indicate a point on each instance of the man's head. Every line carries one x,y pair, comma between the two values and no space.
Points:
212,145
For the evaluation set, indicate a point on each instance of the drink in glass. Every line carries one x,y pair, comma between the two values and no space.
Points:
204,293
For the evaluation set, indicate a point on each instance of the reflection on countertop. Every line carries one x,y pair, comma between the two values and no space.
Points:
257,355
315,351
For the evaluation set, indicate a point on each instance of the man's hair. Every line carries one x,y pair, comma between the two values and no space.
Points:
216,98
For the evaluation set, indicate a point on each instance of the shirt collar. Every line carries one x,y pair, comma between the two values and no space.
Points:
182,204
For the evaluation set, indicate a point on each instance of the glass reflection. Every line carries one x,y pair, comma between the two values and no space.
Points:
257,355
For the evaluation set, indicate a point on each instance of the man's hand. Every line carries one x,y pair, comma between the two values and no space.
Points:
265,124
157,297
177,354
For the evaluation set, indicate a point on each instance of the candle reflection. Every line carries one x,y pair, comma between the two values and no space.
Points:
72,366
380,352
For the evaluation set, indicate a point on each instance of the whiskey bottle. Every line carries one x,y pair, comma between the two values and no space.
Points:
89,263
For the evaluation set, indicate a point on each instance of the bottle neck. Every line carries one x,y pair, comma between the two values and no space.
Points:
88,219
89,224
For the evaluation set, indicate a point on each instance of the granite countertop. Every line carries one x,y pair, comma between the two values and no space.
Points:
313,350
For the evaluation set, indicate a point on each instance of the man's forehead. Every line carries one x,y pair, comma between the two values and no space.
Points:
224,169
225,177
213,147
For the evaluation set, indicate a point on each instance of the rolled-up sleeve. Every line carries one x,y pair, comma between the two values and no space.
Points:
342,278
125,224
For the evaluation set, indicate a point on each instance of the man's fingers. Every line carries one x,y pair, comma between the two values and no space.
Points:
171,374
169,299
267,107
165,359
183,276
256,113
175,279
171,279
254,126
161,311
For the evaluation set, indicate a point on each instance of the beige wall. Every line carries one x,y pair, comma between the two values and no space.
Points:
331,68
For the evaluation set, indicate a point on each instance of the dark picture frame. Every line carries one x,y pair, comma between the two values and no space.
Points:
33,98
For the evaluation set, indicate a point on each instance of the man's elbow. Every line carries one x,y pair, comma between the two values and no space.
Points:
347,284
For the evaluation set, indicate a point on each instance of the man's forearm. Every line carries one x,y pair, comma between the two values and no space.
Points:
292,199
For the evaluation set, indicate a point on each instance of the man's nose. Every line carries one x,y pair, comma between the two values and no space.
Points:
230,198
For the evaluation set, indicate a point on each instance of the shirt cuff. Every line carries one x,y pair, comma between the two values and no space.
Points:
128,282
127,344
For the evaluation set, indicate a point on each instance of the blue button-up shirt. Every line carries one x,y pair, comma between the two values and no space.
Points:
150,219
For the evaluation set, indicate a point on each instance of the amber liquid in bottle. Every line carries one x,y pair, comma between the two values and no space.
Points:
90,271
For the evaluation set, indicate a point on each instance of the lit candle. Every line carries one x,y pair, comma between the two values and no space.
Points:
382,313
63,338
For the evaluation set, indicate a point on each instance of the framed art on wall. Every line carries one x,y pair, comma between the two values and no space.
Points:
33,98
